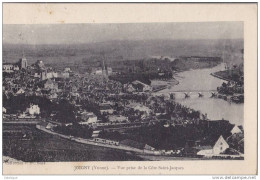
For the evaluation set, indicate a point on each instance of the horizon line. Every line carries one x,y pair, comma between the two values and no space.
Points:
30,44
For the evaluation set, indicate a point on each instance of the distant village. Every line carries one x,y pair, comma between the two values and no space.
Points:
92,108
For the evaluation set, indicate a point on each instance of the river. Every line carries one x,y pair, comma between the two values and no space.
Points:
200,80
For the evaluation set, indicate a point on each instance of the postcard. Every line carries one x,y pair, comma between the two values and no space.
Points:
126,88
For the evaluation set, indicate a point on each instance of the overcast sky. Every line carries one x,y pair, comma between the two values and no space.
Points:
88,33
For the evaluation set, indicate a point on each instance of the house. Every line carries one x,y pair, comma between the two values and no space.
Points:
25,116
37,75
143,108
236,130
88,118
214,149
137,145
147,147
64,75
117,118
49,84
39,65
106,108
139,86
92,118
4,110
67,69
51,74
106,141
129,87
33,109
95,134
9,68
53,96
20,91
99,72
50,126
109,70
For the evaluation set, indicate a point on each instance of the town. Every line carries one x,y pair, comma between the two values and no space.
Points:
114,108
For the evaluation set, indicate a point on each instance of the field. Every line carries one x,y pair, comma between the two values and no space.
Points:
28,144
124,50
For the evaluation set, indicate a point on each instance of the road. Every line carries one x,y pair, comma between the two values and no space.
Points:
91,142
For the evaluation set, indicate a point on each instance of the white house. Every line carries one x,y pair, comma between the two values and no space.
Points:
4,110
92,118
8,67
129,87
117,118
143,108
34,109
20,91
67,69
50,126
98,72
144,87
235,130
219,147
88,118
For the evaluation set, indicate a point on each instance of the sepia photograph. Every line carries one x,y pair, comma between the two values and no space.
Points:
144,91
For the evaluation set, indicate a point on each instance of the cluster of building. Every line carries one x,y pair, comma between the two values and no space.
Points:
12,67
98,100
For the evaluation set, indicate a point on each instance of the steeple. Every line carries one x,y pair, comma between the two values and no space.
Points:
23,62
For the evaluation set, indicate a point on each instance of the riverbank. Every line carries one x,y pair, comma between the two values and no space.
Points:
220,77
202,80
159,85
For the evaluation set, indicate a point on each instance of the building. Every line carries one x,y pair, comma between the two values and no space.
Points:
46,75
34,109
50,126
106,141
104,69
40,65
53,96
106,108
20,91
139,86
64,75
143,108
129,88
99,72
4,110
117,118
137,145
236,130
49,84
88,118
95,134
23,63
9,67
217,148
67,69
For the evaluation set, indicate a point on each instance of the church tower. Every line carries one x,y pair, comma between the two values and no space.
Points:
23,62
104,69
